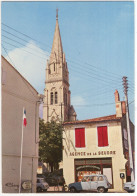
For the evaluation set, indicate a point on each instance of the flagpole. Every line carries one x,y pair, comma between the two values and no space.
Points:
21,155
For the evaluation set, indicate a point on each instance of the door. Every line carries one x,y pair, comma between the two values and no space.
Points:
107,172
86,183
94,182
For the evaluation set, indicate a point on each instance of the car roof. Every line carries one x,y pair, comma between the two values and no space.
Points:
94,175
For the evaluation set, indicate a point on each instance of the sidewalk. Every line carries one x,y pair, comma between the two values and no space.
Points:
55,189
58,189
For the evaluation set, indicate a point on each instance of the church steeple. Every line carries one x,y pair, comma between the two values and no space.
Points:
57,101
57,49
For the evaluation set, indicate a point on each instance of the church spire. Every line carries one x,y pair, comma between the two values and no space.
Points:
57,14
57,49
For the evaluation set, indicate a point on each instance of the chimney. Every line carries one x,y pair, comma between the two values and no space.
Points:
116,96
118,104
123,107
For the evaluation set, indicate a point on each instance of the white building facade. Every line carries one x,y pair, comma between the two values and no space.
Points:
98,146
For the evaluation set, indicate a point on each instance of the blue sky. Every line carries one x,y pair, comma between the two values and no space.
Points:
97,38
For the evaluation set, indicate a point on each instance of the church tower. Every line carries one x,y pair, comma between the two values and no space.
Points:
57,105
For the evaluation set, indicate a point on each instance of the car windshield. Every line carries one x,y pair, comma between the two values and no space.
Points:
105,177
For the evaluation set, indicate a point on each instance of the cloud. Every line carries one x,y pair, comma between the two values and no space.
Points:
77,100
31,66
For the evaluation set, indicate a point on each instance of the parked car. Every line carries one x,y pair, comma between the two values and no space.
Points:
51,181
96,182
55,180
40,176
129,187
42,185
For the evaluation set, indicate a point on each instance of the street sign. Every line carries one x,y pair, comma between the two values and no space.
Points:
122,175
26,185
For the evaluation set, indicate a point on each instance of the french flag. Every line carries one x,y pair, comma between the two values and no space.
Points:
24,118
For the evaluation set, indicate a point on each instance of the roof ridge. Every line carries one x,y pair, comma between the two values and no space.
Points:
18,73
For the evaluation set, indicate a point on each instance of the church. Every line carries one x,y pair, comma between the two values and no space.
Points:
57,96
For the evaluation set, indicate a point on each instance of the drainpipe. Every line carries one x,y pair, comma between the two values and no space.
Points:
32,177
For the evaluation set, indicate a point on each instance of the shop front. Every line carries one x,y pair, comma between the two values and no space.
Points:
93,166
95,147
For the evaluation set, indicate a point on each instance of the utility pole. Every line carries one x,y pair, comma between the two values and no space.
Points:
125,85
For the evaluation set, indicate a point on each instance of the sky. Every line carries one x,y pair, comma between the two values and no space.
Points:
97,39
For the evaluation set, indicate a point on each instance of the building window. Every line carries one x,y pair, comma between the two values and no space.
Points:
56,97
51,98
79,137
65,98
54,67
102,136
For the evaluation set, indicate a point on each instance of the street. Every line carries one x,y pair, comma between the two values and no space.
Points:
58,189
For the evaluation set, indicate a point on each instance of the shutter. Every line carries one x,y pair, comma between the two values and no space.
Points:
100,137
82,137
77,138
105,136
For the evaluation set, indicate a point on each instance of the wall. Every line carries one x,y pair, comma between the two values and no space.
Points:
16,94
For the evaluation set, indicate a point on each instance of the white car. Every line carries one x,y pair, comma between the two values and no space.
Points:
42,185
96,182
129,187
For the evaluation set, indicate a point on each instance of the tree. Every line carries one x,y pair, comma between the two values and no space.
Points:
50,145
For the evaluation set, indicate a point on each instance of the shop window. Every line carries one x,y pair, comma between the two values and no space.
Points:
79,137
86,167
51,98
102,136
56,97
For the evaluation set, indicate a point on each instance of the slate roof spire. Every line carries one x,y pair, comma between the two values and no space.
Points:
57,49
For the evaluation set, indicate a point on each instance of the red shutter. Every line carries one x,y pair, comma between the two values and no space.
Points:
105,136
100,137
77,138
82,137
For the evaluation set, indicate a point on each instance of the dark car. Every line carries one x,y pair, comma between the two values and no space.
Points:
55,180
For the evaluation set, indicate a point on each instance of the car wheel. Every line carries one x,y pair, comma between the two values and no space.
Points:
45,190
73,190
39,189
101,190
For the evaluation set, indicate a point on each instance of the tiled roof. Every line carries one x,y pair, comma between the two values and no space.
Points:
100,119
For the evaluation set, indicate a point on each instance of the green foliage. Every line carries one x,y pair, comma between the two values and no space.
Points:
50,145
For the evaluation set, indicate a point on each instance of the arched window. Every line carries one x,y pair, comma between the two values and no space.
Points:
51,98
66,98
56,97
54,67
